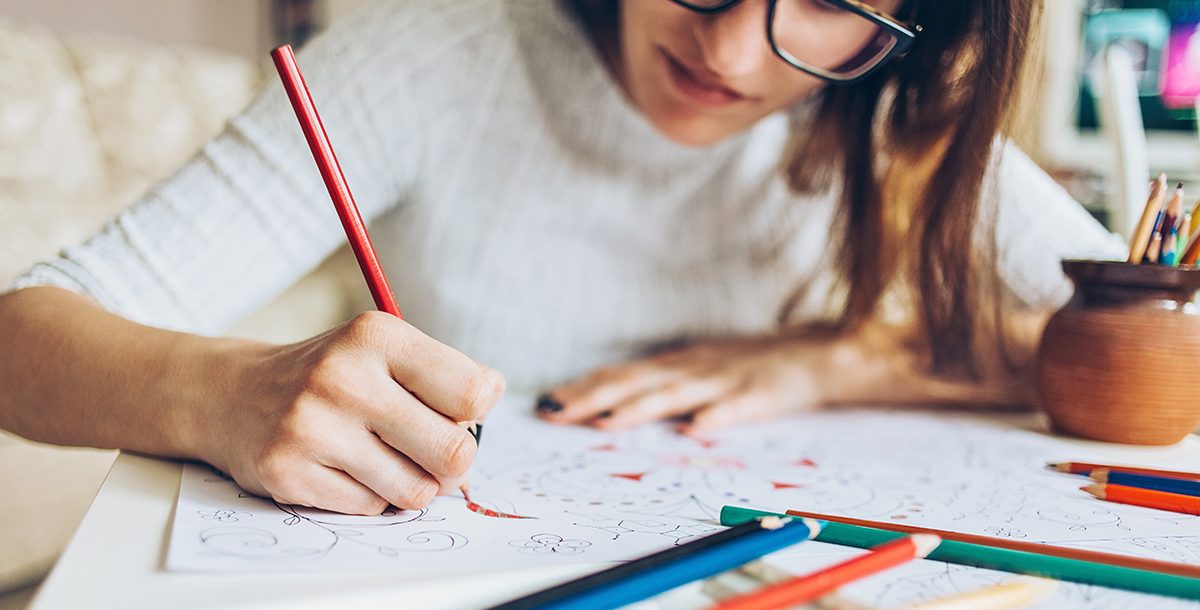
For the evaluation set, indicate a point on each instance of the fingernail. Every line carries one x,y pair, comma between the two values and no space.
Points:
547,405
476,431
497,380
605,414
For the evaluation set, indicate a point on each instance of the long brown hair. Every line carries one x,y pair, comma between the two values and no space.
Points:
934,115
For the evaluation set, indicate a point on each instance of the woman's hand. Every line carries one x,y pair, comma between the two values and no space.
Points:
712,385
363,416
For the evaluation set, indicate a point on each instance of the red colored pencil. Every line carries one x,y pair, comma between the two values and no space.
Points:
335,181
806,588
1086,468
1149,498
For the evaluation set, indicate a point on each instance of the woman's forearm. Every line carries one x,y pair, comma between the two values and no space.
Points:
884,364
359,417
74,374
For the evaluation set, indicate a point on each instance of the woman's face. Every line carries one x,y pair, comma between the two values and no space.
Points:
700,78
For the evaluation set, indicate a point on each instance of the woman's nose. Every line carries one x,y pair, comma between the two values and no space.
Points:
734,42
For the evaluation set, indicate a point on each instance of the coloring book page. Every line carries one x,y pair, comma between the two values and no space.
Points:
592,497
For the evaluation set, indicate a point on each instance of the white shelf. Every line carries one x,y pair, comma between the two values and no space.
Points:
1059,141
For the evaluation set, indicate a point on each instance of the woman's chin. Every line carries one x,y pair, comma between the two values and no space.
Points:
691,130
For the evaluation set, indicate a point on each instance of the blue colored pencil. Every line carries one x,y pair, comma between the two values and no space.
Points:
1147,481
660,572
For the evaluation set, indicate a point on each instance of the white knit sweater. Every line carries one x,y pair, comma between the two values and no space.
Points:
525,212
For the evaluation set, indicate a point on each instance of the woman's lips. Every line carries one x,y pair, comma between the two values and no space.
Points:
698,87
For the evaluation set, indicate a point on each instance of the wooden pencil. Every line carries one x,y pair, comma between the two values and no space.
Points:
335,180
803,589
1187,487
1169,245
1148,498
665,570
1185,233
1004,559
1140,240
1155,247
1192,253
1016,593
1086,468
1191,250
1168,232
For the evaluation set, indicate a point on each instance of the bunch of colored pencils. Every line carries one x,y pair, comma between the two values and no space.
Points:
1029,558
1162,489
720,553
1166,234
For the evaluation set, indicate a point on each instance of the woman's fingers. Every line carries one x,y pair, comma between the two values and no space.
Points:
740,408
318,486
603,390
441,447
366,414
670,400
441,377
386,472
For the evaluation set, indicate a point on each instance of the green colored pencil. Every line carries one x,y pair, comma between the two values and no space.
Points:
993,558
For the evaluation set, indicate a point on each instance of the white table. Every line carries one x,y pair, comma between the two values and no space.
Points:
115,558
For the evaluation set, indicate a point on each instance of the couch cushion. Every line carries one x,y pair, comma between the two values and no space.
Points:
87,123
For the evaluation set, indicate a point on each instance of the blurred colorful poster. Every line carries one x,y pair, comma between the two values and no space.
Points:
1181,73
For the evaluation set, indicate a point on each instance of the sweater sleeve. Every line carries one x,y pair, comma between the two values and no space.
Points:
1037,224
249,215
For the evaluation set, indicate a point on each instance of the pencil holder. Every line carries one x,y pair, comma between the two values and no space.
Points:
1121,361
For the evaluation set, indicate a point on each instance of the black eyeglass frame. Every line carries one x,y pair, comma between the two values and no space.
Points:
904,32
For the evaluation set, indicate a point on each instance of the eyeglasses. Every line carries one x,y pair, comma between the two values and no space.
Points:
812,35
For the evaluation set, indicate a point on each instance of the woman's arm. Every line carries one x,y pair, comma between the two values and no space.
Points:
352,420
719,383
1036,224
362,415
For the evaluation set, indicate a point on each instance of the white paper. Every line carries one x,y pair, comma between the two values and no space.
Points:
600,497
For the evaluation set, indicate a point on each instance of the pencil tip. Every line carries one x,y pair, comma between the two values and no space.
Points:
1096,490
1179,186
925,543
1059,466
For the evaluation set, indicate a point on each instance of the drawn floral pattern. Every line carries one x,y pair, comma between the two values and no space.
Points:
224,515
544,544
600,498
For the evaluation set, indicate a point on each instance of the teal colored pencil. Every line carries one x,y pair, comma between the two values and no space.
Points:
994,558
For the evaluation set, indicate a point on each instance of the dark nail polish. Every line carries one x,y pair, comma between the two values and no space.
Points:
604,414
476,431
546,405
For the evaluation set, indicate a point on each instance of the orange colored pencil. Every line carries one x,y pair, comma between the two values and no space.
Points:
1086,468
802,589
1192,253
1149,498
1139,563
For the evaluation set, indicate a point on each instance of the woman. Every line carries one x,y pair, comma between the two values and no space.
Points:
558,187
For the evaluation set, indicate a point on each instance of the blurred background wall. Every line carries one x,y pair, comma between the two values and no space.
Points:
247,28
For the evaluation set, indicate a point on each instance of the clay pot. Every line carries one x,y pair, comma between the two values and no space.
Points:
1121,361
